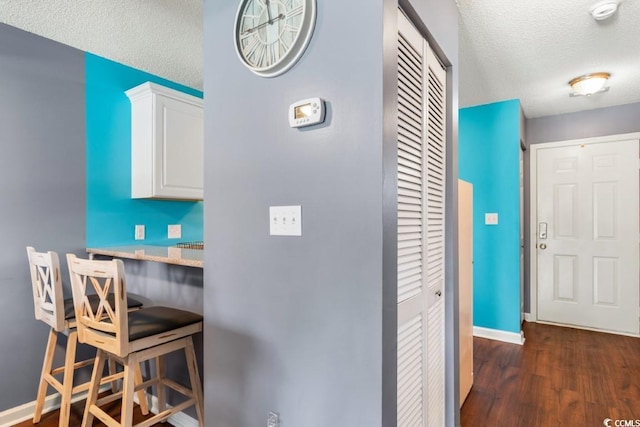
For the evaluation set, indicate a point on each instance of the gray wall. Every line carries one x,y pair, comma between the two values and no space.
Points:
585,124
42,196
306,326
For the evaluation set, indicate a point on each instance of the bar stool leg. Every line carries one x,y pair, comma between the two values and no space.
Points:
112,370
46,370
196,385
160,388
67,378
96,377
128,387
142,396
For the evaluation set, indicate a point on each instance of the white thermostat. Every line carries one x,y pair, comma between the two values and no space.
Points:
306,112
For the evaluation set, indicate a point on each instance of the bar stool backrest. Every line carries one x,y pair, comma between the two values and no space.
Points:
46,283
104,326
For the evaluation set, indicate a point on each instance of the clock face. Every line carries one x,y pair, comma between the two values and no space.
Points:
271,35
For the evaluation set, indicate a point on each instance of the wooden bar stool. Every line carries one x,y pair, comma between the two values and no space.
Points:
131,338
58,313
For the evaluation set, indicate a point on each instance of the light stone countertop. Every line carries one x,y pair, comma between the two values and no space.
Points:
164,254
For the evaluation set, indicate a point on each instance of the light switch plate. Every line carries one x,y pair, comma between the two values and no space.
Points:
491,218
285,220
174,231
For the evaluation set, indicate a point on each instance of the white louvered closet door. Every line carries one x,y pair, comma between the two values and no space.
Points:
421,189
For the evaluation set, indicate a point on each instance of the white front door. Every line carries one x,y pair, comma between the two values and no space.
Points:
587,235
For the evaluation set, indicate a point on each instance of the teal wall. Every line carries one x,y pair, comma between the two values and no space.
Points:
489,159
111,213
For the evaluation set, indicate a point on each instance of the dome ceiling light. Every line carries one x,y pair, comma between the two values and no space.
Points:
604,9
589,84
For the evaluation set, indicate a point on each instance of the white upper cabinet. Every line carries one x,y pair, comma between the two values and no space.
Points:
167,143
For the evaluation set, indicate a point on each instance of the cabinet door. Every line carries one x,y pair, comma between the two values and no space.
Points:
179,135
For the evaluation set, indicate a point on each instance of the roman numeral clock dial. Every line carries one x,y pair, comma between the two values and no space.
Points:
271,35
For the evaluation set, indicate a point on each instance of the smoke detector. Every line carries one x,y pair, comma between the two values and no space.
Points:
604,9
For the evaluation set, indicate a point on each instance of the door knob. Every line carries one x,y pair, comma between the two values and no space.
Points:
543,246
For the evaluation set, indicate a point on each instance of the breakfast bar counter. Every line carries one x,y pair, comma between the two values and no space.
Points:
163,254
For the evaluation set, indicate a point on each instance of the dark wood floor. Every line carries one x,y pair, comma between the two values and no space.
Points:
560,377
113,409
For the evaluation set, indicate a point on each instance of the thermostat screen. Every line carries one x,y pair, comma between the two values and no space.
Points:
302,111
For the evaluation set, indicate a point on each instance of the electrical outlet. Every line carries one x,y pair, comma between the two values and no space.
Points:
139,234
174,231
273,419
491,218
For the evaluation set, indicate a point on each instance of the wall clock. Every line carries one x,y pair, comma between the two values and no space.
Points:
271,35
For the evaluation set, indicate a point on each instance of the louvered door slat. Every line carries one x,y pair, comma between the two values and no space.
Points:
411,190
409,201
408,144
407,221
409,156
409,272
407,114
410,372
408,129
409,55
402,215
414,245
406,252
410,186
410,167
409,152
406,175
435,365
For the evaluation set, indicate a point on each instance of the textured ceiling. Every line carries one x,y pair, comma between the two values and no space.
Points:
531,49
509,49
163,37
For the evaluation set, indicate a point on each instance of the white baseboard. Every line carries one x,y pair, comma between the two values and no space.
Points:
498,335
528,317
18,414
177,420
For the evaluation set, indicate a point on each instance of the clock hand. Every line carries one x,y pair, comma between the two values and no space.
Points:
267,3
257,27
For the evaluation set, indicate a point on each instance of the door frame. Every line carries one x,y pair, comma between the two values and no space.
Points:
533,216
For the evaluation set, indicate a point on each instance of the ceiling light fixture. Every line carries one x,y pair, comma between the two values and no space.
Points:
604,9
589,84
